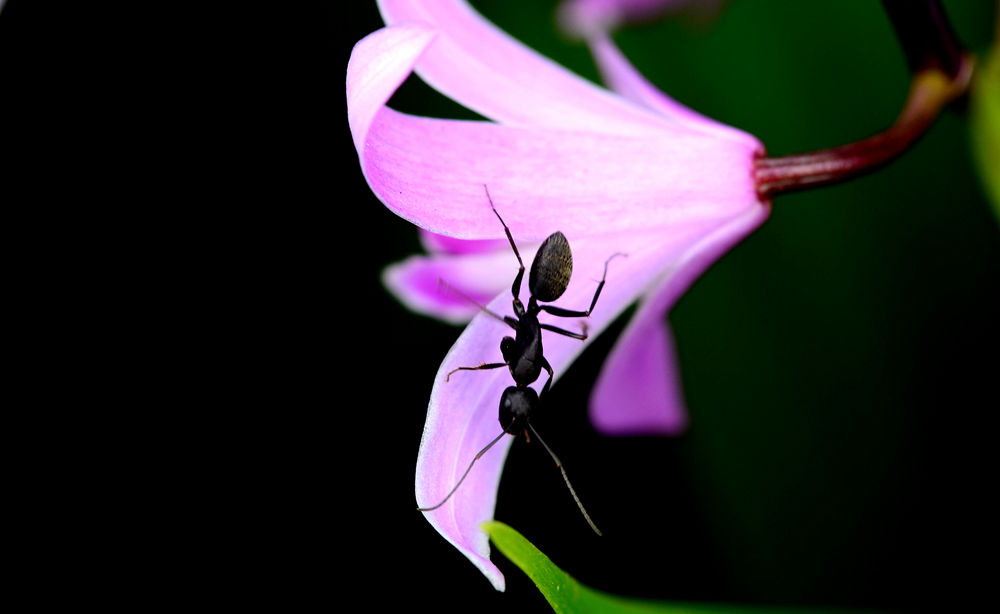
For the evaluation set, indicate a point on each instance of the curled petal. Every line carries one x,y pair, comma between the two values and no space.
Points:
461,419
639,390
379,64
485,69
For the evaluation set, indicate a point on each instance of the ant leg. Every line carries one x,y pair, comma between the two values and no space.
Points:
564,332
516,286
492,365
548,382
569,313
508,320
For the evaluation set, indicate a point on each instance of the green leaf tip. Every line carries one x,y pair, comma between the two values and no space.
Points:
556,585
567,596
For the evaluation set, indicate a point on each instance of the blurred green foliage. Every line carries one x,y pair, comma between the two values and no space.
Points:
986,123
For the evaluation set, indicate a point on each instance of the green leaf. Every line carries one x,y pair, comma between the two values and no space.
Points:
566,595
985,123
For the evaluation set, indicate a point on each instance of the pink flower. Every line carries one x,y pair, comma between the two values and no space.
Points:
635,173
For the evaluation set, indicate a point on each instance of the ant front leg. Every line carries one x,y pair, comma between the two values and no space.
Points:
569,313
484,366
515,288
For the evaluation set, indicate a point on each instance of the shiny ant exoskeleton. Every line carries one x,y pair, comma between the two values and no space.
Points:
550,273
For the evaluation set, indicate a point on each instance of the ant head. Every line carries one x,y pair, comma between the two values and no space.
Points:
551,269
516,406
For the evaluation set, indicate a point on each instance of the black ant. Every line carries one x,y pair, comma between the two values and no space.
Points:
547,281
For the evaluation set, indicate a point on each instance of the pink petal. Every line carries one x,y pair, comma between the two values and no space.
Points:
432,171
434,285
586,18
639,388
461,419
485,69
379,64
621,76
435,243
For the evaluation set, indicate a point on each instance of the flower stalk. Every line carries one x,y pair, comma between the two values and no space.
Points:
941,74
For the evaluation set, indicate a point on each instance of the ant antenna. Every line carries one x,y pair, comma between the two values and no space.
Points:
566,477
460,480
465,296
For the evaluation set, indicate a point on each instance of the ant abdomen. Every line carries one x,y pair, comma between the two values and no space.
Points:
551,269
